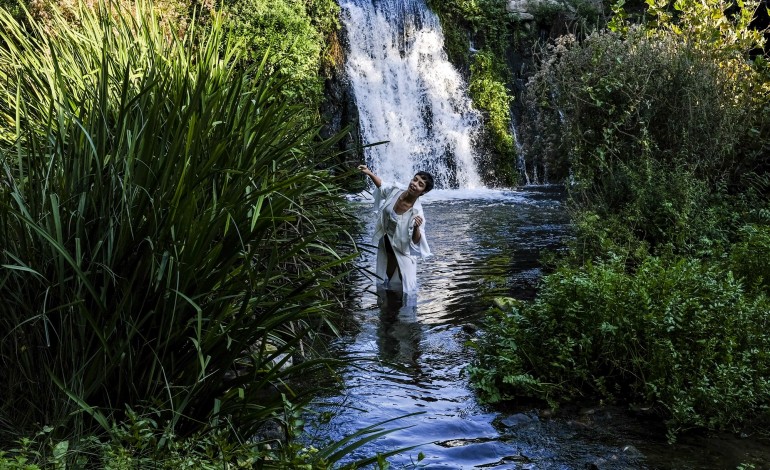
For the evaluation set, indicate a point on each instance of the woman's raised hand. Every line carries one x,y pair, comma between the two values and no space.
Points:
375,179
418,221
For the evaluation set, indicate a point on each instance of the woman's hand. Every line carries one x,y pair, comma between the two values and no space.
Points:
416,235
365,170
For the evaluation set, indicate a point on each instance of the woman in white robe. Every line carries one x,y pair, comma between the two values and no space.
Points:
399,231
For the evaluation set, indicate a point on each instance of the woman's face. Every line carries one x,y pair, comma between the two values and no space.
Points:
417,185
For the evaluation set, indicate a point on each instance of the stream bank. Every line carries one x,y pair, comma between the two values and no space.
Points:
486,244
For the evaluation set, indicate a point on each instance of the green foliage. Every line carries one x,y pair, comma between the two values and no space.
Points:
489,93
14,7
167,242
712,26
748,256
680,336
293,35
662,298
613,102
487,21
139,442
670,213
679,91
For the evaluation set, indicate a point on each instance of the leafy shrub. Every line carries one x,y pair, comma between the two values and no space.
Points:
602,237
749,256
140,442
488,91
682,337
616,101
666,214
167,242
292,36
174,16
487,21
679,90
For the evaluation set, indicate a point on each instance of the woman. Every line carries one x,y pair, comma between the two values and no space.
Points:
399,232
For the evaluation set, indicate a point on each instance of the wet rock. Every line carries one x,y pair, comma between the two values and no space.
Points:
577,424
470,329
270,431
338,109
545,414
523,9
631,451
518,419
604,463
627,457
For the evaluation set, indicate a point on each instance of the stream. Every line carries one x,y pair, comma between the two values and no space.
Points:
486,244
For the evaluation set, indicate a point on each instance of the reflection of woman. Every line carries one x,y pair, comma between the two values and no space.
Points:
399,232
399,333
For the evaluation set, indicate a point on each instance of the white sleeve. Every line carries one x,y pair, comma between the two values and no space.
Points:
420,248
381,194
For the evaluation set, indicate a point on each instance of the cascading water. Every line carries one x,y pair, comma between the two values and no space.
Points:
409,94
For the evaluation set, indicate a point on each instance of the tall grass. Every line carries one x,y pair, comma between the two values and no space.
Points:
166,241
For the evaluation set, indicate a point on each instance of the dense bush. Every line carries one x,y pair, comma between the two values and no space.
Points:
486,22
680,336
680,92
167,243
611,102
659,130
750,254
664,213
662,298
294,37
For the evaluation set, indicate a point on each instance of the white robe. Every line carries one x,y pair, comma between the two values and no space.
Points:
406,251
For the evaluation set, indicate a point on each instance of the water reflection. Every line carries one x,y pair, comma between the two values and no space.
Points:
482,249
399,334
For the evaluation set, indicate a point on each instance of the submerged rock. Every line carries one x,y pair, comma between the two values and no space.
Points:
518,419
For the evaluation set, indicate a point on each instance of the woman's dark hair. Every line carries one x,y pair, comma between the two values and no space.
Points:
428,178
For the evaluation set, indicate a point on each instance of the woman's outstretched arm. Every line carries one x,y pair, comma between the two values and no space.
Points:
375,179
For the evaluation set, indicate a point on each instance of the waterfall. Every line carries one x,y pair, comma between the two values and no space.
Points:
408,94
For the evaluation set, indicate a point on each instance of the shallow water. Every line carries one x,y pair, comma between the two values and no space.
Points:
486,244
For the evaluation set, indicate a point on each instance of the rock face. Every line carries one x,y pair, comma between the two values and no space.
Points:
527,10
338,109
523,8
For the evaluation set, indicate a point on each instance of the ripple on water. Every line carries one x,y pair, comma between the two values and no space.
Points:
420,355
485,245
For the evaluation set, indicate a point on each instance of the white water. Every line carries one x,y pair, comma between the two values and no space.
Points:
409,94
473,194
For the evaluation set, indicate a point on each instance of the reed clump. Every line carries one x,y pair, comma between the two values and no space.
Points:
168,243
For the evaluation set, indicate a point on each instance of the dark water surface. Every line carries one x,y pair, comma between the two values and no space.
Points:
485,245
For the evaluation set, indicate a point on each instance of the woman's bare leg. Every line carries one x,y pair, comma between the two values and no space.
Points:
392,265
